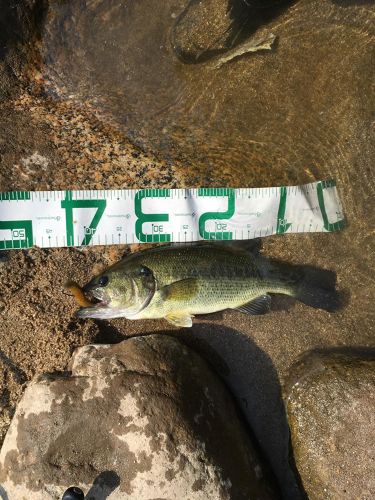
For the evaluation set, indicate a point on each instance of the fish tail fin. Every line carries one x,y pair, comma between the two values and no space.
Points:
310,285
318,297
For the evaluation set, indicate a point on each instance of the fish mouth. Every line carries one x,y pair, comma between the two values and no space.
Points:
99,310
99,303
96,295
101,307
96,302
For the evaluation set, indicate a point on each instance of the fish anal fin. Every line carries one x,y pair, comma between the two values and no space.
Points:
180,291
260,305
180,320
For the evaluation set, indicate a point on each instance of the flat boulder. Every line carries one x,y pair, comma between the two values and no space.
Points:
145,418
331,412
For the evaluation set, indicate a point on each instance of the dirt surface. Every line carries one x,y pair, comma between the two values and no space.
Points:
316,125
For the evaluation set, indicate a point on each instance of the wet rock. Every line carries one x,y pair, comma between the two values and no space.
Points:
17,23
19,32
331,410
209,27
146,418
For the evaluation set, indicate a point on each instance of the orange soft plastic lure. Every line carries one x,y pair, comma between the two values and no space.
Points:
77,293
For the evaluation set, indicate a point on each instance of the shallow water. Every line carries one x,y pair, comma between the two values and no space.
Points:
301,112
291,114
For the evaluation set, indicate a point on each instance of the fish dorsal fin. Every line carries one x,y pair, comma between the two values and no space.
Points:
182,320
180,291
260,305
253,246
245,246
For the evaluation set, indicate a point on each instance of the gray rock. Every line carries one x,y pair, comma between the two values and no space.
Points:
331,410
146,418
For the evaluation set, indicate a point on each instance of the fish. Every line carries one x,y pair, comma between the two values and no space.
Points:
178,282
253,45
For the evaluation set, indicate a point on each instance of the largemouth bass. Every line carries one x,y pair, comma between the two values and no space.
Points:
178,282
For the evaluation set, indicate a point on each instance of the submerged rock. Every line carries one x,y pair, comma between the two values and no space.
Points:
146,418
331,410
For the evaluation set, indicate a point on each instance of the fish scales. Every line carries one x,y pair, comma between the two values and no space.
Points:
222,279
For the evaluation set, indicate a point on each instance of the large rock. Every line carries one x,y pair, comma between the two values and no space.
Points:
146,418
331,409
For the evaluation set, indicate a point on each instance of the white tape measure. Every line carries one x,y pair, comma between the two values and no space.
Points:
78,218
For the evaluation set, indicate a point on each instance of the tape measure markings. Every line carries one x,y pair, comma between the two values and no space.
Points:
89,217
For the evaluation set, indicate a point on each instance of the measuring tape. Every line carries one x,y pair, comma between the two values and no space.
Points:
79,218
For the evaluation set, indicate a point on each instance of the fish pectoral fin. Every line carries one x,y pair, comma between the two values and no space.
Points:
260,305
180,291
180,320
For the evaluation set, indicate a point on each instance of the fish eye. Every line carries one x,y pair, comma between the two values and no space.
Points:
103,281
145,271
